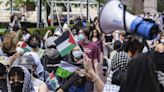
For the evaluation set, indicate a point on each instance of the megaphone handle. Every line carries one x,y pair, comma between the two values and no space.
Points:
146,44
124,17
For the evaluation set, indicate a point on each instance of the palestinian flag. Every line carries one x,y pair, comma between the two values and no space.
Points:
65,69
65,43
26,47
52,82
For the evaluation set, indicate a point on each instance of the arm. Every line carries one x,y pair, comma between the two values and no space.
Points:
60,90
94,77
14,57
43,88
46,35
96,80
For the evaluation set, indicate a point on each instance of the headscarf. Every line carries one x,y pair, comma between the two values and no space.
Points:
27,85
120,61
39,68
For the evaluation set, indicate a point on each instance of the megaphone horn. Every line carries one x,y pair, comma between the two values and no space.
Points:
111,19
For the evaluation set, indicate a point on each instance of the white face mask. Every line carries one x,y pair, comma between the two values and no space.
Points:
162,40
19,50
77,54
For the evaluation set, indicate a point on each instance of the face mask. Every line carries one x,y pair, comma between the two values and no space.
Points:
162,40
19,50
80,37
16,87
56,53
52,53
77,54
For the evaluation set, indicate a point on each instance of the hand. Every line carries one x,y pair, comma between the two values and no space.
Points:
49,32
81,72
159,48
18,54
87,63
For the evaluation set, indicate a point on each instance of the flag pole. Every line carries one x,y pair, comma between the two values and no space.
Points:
49,76
74,39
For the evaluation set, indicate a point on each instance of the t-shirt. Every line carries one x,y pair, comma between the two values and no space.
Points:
100,45
36,84
25,37
3,85
91,49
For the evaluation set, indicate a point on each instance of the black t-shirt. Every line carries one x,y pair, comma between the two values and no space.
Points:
52,64
3,85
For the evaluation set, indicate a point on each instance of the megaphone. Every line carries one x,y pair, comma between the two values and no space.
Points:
111,19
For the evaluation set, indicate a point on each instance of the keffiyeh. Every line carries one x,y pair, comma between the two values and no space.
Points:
27,86
120,60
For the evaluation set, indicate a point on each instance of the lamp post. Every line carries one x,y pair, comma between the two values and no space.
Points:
39,14
11,7
68,8
87,9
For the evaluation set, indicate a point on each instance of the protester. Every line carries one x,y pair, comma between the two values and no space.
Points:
96,38
145,74
116,47
35,65
51,58
29,63
20,80
90,49
10,41
92,74
76,59
107,45
25,33
3,81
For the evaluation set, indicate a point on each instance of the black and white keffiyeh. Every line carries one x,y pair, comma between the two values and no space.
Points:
120,61
28,85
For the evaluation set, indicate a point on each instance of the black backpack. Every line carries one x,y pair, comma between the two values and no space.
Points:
119,76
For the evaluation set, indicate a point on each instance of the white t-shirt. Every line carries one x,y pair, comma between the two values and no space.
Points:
25,37
37,83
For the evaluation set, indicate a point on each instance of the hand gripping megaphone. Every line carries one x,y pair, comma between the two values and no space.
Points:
111,19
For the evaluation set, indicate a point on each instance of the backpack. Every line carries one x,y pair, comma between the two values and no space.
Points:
119,76
7,41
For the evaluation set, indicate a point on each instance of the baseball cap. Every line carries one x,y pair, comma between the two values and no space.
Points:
50,41
27,61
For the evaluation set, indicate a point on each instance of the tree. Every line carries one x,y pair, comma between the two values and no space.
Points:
101,1
160,5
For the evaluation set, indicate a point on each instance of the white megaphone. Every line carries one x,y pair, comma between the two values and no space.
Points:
111,19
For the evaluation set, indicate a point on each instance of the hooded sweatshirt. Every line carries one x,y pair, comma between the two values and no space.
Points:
27,86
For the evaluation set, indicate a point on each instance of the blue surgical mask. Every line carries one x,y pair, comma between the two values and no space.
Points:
80,37
77,54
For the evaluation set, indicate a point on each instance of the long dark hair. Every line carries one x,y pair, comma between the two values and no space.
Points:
133,45
17,70
71,55
98,34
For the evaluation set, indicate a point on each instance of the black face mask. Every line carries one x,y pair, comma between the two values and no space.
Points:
16,87
52,53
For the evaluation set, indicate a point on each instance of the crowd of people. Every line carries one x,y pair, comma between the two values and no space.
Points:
116,62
